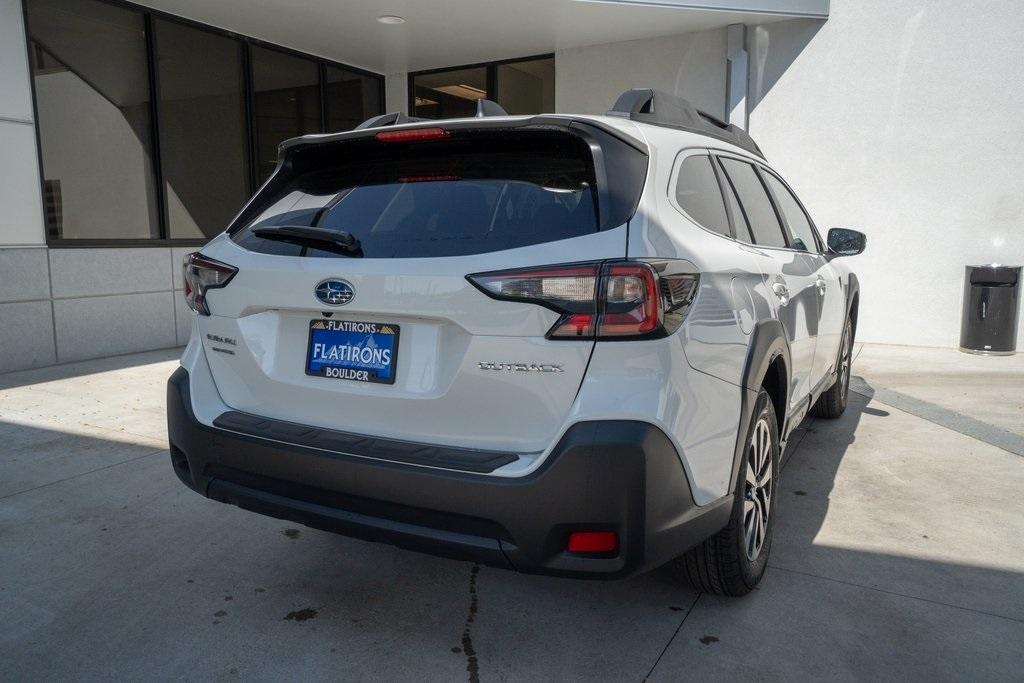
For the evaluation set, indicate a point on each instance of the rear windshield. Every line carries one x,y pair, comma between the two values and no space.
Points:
467,194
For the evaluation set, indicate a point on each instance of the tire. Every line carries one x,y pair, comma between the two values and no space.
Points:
732,562
832,403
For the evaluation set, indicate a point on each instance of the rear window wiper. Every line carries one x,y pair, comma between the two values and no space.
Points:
337,241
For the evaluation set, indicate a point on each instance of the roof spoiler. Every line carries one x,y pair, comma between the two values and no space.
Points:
658,108
484,108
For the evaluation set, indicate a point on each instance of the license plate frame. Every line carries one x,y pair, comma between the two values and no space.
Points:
347,368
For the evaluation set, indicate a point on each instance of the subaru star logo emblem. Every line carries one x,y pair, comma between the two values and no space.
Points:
335,292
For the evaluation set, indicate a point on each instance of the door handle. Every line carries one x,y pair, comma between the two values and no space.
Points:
782,292
821,285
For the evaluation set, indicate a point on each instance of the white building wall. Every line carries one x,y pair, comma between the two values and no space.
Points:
904,120
589,79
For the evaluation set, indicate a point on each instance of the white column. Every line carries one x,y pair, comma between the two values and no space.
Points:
21,218
396,92
737,62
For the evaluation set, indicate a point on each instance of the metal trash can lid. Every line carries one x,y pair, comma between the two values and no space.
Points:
994,275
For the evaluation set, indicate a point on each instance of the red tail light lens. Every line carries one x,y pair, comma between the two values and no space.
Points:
614,300
593,542
202,274
412,135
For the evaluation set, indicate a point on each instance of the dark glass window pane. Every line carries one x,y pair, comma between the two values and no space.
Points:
287,93
92,92
526,87
463,196
351,98
202,128
698,194
800,229
758,208
450,94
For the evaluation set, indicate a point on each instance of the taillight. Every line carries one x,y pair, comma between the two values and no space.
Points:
611,300
203,273
630,303
569,290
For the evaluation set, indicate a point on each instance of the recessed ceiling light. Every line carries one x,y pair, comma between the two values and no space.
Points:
391,19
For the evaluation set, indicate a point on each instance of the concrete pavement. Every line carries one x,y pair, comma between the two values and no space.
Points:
899,553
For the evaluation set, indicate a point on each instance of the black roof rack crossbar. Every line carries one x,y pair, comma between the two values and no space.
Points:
393,118
648,105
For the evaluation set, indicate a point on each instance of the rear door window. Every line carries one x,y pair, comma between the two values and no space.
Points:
458,196
801,232
764,223
699,195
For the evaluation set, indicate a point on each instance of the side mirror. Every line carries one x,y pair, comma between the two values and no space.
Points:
843,242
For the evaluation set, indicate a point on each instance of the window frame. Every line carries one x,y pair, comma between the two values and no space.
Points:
491,70
246,45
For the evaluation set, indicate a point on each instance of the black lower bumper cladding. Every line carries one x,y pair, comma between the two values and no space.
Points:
620,476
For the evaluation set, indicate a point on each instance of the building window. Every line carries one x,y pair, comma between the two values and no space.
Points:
349,98
118,166
202,128
95,122
449,94
524,86
287,102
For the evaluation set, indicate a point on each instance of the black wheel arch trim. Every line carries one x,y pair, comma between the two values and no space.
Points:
768,342
852,294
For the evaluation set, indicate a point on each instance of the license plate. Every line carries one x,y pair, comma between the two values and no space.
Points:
347,349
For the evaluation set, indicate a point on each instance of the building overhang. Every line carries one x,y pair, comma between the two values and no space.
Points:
440,33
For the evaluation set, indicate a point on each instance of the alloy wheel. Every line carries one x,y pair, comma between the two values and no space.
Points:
758,489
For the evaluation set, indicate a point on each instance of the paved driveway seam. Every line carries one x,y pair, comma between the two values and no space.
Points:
895,593
674,634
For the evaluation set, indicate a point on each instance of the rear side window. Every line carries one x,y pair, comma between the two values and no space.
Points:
799,225
699,194
760,214
461,195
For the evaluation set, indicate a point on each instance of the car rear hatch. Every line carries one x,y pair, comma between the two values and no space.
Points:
351,308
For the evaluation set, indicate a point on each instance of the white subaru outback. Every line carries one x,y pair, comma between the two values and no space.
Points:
560,344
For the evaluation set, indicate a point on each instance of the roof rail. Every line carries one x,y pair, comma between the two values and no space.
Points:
658,108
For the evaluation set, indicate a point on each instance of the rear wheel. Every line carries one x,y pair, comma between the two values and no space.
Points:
832,403
733,561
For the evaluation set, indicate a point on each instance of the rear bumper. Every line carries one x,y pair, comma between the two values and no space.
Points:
621,476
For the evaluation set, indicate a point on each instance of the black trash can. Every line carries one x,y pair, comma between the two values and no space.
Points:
991,304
